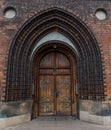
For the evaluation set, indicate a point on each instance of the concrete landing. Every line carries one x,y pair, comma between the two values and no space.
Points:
58,125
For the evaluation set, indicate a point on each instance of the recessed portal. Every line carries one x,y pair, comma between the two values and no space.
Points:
55,84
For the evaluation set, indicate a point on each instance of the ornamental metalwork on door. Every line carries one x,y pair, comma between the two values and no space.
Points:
56,94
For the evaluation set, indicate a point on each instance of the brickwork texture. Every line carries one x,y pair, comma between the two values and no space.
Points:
84,10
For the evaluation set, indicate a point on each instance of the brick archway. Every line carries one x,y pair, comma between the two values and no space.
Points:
89,66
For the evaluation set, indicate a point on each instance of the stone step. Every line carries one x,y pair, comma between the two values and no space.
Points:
56,118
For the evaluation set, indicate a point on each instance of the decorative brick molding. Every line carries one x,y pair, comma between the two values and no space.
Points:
89,66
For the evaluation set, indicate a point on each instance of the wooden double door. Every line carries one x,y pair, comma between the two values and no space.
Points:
56,93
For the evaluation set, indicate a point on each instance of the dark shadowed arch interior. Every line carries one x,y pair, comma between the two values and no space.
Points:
21,55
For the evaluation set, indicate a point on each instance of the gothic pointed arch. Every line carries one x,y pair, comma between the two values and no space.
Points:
21,54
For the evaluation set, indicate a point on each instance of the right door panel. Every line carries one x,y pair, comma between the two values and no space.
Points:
63,89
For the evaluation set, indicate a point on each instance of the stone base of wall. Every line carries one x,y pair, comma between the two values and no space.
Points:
97,112
102,120
12,121
15,113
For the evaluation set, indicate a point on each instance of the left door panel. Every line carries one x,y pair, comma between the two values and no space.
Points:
46,95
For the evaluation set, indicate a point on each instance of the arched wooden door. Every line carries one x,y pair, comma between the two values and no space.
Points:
56,92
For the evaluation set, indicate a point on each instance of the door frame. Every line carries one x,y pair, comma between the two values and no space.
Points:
60,47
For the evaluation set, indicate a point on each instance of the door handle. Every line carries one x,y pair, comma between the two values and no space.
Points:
57,93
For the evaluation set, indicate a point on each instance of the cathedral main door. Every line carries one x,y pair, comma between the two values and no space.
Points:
55,92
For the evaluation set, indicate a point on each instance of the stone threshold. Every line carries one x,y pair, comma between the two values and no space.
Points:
53,118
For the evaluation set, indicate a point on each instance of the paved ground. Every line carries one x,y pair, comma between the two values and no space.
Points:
58,125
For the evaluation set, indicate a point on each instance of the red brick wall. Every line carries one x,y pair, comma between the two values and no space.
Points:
84,9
